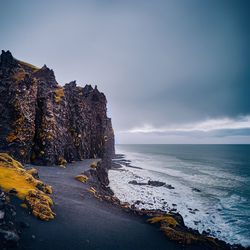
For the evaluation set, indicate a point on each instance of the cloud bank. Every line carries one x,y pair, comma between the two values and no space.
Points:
209,125
164,65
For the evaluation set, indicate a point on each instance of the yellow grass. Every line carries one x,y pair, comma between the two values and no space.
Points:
59,94
28,65
169,220
82,178
13,177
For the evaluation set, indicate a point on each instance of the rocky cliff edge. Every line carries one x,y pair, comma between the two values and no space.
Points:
44,123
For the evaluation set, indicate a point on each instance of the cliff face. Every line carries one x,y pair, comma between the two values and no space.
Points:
44,123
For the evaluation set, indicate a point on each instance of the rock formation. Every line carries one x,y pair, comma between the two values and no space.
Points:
8,227
44,123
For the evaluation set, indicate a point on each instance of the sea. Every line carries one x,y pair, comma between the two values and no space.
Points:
209,185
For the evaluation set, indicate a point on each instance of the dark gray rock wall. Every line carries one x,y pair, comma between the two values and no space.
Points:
44,123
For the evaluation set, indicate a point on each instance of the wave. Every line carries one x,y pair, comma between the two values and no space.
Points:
201,193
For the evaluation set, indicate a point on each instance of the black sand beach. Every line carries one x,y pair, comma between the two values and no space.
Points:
83,222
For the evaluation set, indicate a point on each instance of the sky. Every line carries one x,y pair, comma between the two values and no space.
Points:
173,71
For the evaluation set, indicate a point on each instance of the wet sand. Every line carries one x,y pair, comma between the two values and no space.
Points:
83,222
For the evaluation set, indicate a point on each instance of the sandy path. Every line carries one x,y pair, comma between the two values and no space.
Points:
82,222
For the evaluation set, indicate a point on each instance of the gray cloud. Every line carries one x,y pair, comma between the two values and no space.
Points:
158,62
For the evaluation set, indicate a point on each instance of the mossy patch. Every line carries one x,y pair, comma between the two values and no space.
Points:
61,161
82,178
176,232
11,137
179,236
15,179
92,190
23,205
167,219
30,66
93,165
20,133
40,204
59,94
33,172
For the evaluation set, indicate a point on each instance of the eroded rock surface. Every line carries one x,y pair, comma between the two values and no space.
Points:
8,230
44,123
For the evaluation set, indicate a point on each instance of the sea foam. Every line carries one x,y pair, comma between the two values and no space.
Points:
201,194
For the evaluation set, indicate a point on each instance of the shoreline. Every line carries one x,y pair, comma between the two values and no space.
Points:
82,221
182,234
89,216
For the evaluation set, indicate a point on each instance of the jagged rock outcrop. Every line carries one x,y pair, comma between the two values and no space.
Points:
44,123
8,227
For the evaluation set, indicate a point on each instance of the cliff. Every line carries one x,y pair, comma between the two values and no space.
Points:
44,123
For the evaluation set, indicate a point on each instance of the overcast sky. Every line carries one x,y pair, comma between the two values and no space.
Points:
172,71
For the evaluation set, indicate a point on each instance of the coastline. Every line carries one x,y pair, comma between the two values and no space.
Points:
175,231
89,216
82,221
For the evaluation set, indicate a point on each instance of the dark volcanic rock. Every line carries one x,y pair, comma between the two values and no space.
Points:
169,186
134,182
196,190
44,123
98,178
152,183
8,229
156,183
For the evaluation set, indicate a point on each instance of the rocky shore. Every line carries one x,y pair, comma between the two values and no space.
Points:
86,183
170,223
82,221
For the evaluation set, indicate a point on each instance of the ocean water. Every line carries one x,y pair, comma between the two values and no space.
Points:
211,185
